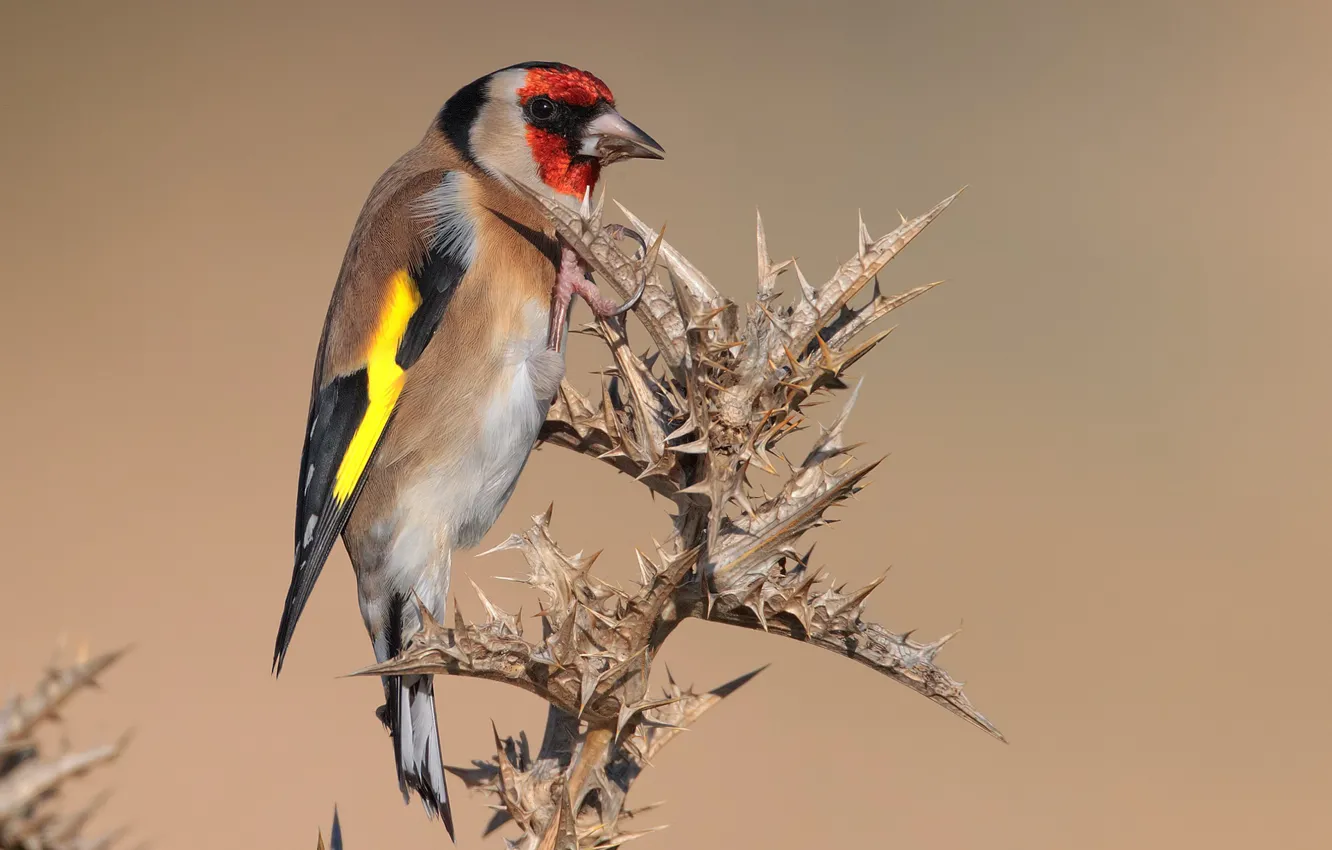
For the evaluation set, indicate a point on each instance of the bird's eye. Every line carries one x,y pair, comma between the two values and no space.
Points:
541,108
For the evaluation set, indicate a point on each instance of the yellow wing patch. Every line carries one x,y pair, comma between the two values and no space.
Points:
384,379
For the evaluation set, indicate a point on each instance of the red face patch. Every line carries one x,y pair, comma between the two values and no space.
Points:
565,84
551,151
558,169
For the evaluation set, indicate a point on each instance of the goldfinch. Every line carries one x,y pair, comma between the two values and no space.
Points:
440,355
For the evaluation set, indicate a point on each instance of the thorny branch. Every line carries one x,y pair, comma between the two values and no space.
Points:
30,783
691,422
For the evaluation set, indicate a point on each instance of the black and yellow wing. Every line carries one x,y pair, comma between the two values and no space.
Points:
351,412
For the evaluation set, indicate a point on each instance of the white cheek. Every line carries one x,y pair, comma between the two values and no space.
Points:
499,136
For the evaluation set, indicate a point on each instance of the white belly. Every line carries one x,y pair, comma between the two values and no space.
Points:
512,420
453,505
461,501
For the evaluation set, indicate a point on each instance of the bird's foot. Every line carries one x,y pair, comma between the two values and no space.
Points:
566,281
574,278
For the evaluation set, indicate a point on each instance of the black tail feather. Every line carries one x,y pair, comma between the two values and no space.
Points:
400,696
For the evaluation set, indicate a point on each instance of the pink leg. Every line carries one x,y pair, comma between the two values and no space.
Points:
602,307
566,284
573,279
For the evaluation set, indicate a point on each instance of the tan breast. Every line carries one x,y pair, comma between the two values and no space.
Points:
492,336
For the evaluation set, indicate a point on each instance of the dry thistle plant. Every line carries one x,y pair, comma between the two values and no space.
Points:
31,784
692,423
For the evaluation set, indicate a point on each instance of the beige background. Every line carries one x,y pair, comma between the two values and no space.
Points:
1108,431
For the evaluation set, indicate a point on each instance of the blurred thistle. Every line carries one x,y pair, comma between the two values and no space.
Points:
334,835
31,781
692,422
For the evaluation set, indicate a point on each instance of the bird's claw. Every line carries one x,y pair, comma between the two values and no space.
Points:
575,278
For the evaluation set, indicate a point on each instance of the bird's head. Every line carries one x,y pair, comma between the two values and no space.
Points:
547,125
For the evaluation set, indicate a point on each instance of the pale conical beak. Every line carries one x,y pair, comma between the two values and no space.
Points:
611,137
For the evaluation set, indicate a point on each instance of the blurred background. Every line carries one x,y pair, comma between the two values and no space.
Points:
1108,432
